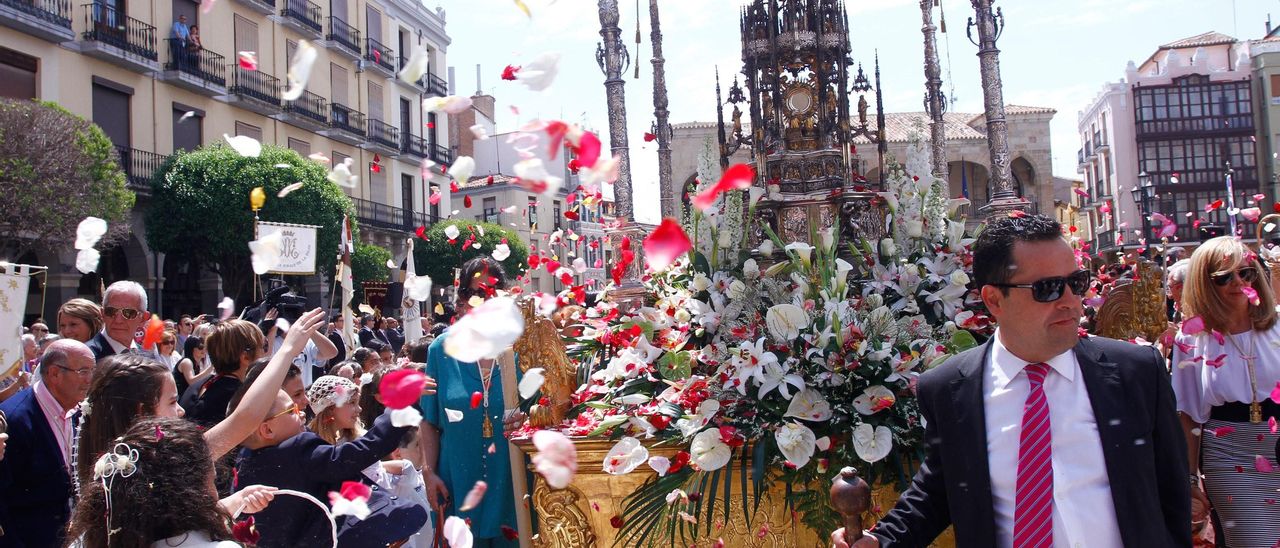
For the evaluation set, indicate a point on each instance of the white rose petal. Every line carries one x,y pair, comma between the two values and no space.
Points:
266,252
531,382
625,456
453,415
540,73
304,57
501,252
557,458
87,260
457,533
452,232
89,231
408,416
417,287
462,169
244,146
485,332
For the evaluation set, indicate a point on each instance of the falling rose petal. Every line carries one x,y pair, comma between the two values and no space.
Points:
226,308
466,201
89,231
318,157
366,378
666,244
474,496
1193,326
476,399
531,382
737,177
244,146
417,287
153,333
486,331
660,465
462,169
187,116
416,67
206,6
409,416
391,263
533,175
304,57
453,104
287,190
401,388
501,252
451,232
1252,294
1271,422
266,252
540,73
1275,393
1216,362
479,132
457,533
557,458
453,415
87,260
1263,465
248,60
1216,204
509,209
1223,431
580,265
588,149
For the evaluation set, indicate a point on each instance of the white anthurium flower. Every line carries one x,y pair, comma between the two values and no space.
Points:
809,405
750,269
708,452
785,321
625,456
660,465
796,442
891,199
642,426
749,363
801,250
778,376
872,443
874,399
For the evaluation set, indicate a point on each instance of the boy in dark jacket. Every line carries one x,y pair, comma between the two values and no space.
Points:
283,454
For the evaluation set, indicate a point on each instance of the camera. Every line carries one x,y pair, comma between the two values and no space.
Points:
288,306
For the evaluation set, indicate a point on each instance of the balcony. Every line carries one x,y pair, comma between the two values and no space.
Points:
1195,127
345,125
413,145
376,215
309,112
201,71
345,38
380,57
382,138
138,167
436,85
255,91
118,39
1098,143
303,16
1106,241
263,7
45,19
1080,157
441,155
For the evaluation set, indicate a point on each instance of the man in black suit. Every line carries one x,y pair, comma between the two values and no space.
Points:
124,310
1042,437
35,478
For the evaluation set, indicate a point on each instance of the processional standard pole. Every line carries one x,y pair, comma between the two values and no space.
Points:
662,128
990,24
935,103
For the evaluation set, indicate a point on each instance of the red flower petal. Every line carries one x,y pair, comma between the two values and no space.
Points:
649,137
737,177
556,131
566,278
571,215
421,232
476,399
401,388
589,149
666,244
509,74
534,260
453,186
507,532
575,165
154,332
616,522
434,199
552,265
354,490
466,201
245,532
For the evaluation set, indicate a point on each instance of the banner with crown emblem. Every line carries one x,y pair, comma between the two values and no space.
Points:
14,281
297,247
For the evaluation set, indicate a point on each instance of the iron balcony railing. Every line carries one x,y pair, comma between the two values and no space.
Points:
384,134
1106,240
379,54
201,63
258,85
57,12
305,13
374,214
110,26
346,119
1080,156
413,145
309,105
441,155
139,166
436,85
345,35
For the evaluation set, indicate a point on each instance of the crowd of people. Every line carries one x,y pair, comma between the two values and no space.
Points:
1079,440
111,441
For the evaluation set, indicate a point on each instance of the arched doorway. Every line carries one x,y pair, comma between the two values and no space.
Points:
115,264
1024,175
970,180
181,287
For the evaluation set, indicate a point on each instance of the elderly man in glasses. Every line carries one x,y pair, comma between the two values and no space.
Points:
1042,437
35,479
124,310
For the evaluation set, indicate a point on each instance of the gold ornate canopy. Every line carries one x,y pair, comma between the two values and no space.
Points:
1135,308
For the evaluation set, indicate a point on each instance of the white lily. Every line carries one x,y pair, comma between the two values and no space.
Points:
778,376
749,362
801,250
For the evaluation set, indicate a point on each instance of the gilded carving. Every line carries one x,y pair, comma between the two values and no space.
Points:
1135,308
561,521
795,224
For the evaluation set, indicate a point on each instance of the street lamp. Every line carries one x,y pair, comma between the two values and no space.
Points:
1143,196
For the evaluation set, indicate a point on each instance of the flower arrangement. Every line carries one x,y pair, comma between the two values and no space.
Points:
794,363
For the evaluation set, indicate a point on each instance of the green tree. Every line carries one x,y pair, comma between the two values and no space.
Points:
55,170
437,258
368,264
200,208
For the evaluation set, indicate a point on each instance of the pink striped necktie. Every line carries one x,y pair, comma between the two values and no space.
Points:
1033,506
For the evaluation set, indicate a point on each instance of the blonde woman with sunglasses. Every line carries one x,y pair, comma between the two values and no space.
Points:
1226,361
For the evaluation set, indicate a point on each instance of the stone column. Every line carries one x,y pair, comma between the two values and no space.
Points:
663,129
934,100
990,23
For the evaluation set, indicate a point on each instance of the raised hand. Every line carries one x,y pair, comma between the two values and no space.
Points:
302,330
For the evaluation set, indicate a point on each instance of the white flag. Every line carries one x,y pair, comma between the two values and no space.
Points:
13,306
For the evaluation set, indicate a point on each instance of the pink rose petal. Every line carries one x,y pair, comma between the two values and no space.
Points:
666,244
1193,326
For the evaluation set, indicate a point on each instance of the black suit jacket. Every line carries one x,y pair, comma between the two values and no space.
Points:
35,489
1142,445
100,346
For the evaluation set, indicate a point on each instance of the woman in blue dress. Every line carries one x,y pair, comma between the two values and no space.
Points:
460,452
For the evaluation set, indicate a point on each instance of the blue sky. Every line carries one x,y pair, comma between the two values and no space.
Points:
1054,53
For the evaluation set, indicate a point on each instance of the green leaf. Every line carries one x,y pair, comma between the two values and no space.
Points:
607,423
963,340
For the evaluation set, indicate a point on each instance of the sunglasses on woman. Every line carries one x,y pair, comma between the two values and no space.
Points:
1047,290
129,313
1247,275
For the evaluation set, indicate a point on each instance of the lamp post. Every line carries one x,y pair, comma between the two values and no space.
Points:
662,129
613,59
934,101
990,24
1143,195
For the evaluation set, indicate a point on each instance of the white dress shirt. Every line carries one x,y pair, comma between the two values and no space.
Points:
1199,387
116,346
1084,514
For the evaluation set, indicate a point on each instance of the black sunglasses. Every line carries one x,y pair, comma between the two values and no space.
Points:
1048,290
1247,275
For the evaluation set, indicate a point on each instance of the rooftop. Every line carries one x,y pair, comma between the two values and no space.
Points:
1211,38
